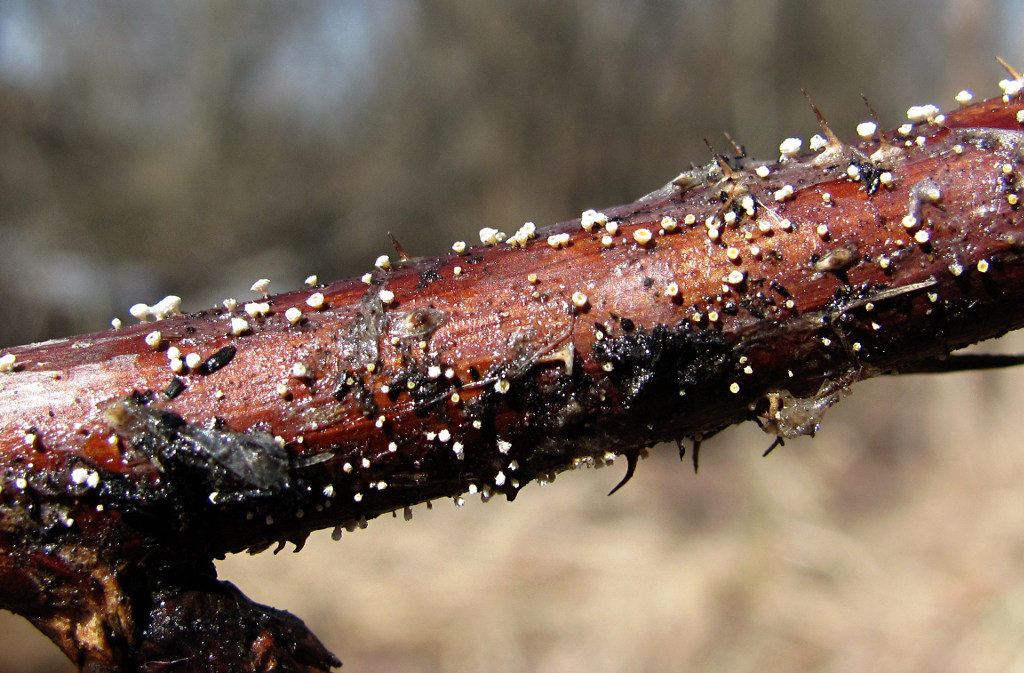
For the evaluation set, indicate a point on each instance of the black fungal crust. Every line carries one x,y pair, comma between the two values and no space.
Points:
428,276
218,360
197,467
174,388
675,360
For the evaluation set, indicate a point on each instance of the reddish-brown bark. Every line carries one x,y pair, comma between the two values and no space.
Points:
483,370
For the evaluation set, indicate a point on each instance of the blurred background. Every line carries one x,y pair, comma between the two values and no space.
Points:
187,147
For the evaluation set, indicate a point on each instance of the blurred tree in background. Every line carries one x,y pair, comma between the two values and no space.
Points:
155,147
187,147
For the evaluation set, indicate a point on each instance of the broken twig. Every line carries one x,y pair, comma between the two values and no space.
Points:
742,289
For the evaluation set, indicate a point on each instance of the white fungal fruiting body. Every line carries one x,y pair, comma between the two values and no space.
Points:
790,147
591,218
643,236
315,300
153,339
260,286
459,247
257,309
784,193
383,263
168,306
964,97
311,280
293,315
140,311
763,171
579,300
83,475
557,241
491,236
239,326
866,129
193,360
7,362
817,142
387,296
920,113
1011,87
523,235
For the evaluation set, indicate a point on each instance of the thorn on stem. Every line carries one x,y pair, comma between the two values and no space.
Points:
740,150
834,142
403,256
727,171
779,441
882,140
1009,68
632,458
